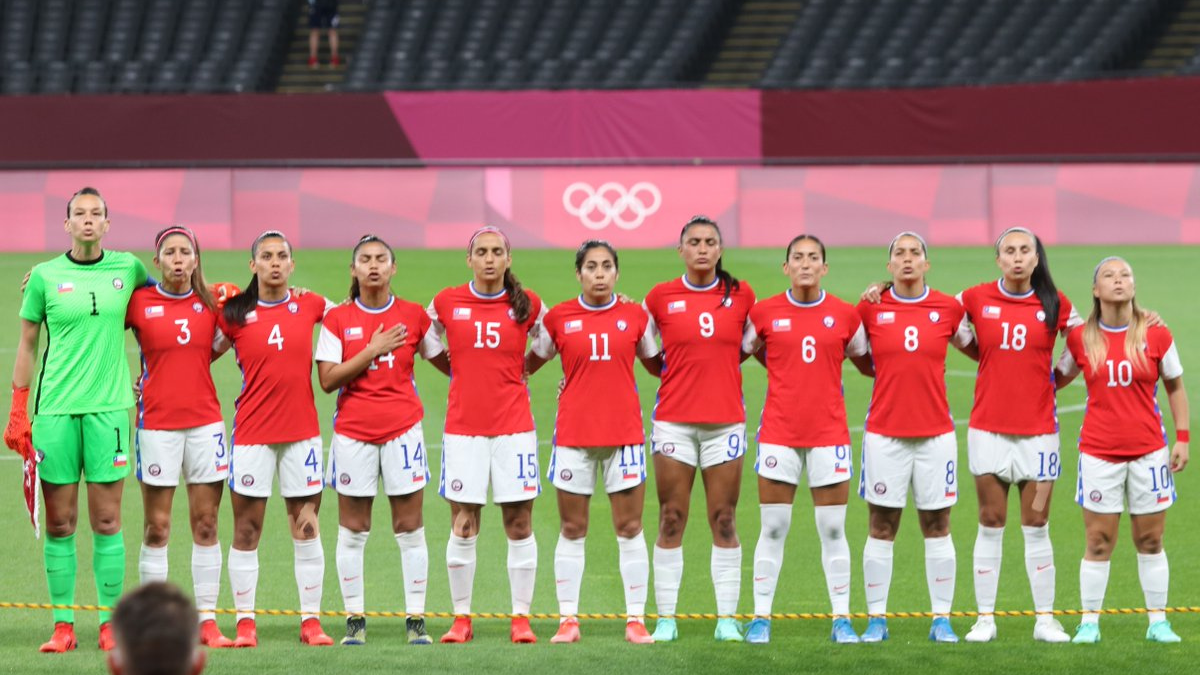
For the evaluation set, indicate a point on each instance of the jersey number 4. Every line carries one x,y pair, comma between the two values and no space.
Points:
276,337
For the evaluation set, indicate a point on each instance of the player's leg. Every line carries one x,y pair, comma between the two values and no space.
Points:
627,504
674,479
463,483
159,464
990,457
1101,493
1039,558
779,469
57,437
1150,492
204,502
573,474
887,468
935,491
404,468
722,487
515,483
248,513
300,483
106,450
829,511
354,526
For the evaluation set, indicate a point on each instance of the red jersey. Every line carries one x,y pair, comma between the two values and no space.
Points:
1122,420
488,395
1014,392
599,403
805,345
701,345
381,403
177,335
274,349
908,339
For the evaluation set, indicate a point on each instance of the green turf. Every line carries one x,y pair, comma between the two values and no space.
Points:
1166,277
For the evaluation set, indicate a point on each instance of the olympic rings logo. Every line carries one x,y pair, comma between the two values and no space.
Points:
611,203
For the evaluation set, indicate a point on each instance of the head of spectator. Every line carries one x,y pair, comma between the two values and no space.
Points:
156,628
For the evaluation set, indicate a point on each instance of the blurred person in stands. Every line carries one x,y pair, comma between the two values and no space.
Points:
323,14
156,632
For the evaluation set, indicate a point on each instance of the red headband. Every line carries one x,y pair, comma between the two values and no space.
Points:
488,230
179,229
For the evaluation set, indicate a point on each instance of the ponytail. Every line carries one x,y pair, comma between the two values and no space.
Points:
237,307
728,282
518,299
1044,288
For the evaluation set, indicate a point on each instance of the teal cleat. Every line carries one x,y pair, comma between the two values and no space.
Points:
665,630
728,631
876,631
1160,631
843,632
1087,634
759,632
941,631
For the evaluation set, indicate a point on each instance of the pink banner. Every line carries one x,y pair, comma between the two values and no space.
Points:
640,207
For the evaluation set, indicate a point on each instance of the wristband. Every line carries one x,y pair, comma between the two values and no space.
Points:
1181,436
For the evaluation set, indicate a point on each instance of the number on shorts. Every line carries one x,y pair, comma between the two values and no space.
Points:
487,334
417,455
117,431
185,333
1048,464
735,445
707,325
599,356
841,452
633,460
911,339
527,468
275,338
312,463
950,472
1160,478
808,349
220,444
1122,375
1017,342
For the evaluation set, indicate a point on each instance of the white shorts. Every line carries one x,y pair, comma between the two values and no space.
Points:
825,465
891,465
355,467
199,453
702,445
574,469
299,465
1146,483
508,463
1013,459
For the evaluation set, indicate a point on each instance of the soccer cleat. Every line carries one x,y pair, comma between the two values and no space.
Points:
335,62
356,630
877,630
63,639
415,628
106,641
635,632
568,631
247,633
313,635
759,632
984,629
1160,631
520,633
941,631
728,631
459,632
312,62
1048,629
210,635
843,632
665,630
1087,634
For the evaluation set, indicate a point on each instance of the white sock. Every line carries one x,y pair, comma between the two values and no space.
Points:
989,546
310,575
522,572
877,574
460,566
1093,581
414,562
243,580
940,563
635,574
835,555
726,567
568,574
206,578
1039,566
350,545
668,573
1155,576
152,564
776,519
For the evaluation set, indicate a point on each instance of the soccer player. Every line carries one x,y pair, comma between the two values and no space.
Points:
275,431
489,437
1124,460
81,412
802,336
365,353
699,419
1013,433
175,323
598,337
908,440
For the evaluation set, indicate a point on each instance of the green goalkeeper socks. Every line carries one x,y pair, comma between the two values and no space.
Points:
108,564
59,556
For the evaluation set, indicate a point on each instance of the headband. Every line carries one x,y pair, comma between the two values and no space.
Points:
908,233
175,229
266,234
1022,230
1096,272
488,229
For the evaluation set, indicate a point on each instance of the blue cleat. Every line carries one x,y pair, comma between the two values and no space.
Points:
759,632
876,630
941,631
665,630
1087,634
728,631
1160,631
843,632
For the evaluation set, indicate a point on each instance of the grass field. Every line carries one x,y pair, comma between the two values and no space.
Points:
1166,277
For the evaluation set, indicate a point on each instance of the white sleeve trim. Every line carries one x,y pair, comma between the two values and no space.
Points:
652,326
964,336
329,304
431,344
1073,320
751,342
858,345
329,347
220,343
542,344
1170,367
1067,365
647,346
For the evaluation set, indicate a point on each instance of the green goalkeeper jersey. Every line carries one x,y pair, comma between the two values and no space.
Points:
83,304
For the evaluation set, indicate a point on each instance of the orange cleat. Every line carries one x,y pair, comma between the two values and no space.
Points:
210,635
311,633
247,633
635,632
106,641
459,632
568,631
63,639
521,633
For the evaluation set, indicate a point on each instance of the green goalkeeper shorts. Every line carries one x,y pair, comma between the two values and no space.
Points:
94,445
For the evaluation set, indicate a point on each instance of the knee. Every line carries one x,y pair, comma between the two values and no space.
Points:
407,522
1148,542
1099,545
1036,520
306,528
671,522
246,533
59,527
992,517
724,524
630,528
520,527
158,532
204,527
106,523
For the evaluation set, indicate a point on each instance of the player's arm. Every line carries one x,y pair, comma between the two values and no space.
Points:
1178,401
18,432
334,376
1066,371
26,353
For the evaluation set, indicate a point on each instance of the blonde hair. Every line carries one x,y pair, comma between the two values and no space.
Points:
1094,344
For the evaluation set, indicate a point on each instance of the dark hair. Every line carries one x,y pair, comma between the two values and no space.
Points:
518,299
363,241
1040,279
805,237
728,282
198,283
237,307
87,191
591,244
157,630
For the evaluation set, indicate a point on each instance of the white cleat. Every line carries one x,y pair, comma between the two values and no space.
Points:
984,629
1048,629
